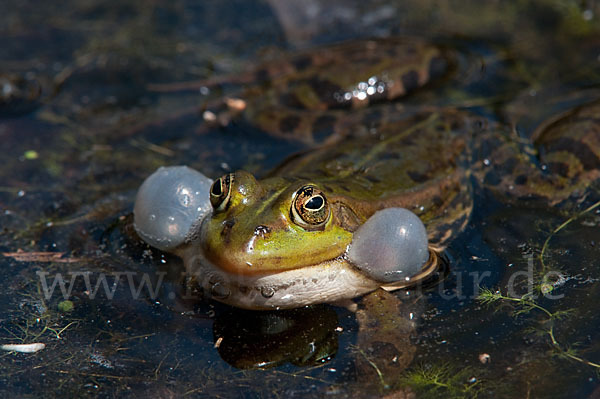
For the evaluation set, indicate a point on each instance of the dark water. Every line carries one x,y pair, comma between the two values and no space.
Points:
80,128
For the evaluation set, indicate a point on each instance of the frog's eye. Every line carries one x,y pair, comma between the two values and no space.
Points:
220,192
310,209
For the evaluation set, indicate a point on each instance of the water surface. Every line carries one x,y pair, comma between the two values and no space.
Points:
86,129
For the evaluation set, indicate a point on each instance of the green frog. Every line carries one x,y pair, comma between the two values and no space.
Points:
284,241
305,97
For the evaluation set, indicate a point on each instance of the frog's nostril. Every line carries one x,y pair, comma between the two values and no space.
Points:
262,231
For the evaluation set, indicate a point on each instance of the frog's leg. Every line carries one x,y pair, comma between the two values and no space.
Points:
563,164
384,347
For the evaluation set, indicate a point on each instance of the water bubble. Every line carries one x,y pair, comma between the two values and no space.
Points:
267,292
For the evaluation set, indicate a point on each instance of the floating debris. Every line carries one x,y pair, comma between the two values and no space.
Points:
66,306
22,256
23,348
31,154
485,358
100,360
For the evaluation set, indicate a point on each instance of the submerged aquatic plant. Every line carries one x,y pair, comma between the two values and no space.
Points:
443,381
528,302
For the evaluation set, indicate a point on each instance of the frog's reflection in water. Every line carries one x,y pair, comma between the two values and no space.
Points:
255,339
248,339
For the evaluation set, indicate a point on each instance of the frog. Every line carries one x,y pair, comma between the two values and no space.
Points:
358,177
283,241
264,247
348,182
292,97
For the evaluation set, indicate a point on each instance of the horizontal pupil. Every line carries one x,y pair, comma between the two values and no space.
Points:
216,188
314,203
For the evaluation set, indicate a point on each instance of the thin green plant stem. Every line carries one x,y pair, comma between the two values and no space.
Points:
559,228
488,297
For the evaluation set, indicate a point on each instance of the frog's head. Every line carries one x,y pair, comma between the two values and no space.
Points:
271,226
